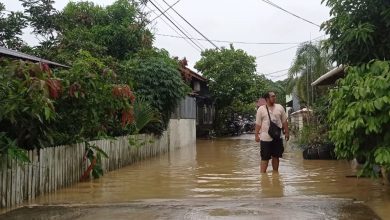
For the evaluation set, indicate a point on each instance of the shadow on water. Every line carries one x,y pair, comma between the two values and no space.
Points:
225,169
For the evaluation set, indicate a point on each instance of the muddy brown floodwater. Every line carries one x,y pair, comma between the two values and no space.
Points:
226,169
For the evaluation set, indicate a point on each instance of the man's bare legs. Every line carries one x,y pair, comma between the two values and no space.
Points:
275,165
263,166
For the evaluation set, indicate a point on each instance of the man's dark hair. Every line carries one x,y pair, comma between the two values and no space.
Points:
267,95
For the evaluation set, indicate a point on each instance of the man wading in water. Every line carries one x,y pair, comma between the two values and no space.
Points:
270,147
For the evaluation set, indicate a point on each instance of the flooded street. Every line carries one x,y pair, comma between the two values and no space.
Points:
226,169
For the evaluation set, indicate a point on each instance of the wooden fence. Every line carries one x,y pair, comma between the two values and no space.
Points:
57,167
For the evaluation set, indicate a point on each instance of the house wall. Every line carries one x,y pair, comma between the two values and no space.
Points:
195,117
298,119
182,133
186,109
295,103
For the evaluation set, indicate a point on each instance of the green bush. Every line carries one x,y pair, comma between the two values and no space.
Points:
359,115
27,93
156,79
93,104
316,129
311,134
83,103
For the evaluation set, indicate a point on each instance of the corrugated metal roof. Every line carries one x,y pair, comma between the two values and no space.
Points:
20,55
330,77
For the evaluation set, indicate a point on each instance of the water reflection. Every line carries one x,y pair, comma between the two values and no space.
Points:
271,185
225,169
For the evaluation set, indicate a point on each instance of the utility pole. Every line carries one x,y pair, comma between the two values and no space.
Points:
312,76
307,80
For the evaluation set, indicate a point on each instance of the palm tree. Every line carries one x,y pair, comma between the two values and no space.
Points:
310,62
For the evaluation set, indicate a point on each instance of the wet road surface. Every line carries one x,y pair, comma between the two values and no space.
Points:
286,208
219,179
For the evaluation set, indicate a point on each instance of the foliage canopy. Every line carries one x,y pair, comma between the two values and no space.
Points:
360,114
358,30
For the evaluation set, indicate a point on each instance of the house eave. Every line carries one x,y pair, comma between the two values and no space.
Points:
19,55
330,77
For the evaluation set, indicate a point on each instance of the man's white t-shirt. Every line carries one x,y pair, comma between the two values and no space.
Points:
278,116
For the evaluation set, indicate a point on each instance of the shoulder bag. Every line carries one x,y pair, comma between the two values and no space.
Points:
274,131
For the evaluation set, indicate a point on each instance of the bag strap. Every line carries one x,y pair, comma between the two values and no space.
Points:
268,114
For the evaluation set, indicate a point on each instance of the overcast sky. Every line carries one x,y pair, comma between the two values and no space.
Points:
233,20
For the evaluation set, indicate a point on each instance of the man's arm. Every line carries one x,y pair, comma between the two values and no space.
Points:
257,131
258,125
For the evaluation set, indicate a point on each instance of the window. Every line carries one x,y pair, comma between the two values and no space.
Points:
196,86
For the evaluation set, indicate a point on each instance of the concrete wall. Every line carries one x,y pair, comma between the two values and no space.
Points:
182,133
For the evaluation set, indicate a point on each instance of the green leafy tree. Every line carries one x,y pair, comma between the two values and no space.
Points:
358,30
11,29
279,87
311,61
359,117
358,33
117,30
231,74
42,17
156,78
233,82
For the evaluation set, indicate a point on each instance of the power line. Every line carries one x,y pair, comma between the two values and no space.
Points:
279,51
192,26
279,71
187,40
278,76
297,16
283,70
174,24
289,48
180,26
269,75
234,42
170,26
164,11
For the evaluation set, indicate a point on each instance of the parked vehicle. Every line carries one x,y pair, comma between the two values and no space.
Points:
249,124
236,126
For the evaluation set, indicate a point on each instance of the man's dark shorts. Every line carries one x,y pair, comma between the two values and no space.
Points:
272,148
